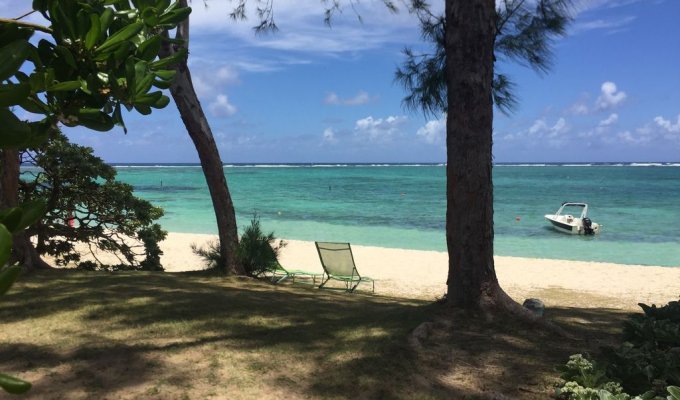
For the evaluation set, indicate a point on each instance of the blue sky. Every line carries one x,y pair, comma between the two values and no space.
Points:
310,93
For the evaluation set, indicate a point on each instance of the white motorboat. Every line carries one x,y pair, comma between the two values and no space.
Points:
564,222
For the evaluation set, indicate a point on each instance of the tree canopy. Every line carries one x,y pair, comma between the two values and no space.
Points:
525,32
86,205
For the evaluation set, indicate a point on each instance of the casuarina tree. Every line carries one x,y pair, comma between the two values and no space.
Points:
459,79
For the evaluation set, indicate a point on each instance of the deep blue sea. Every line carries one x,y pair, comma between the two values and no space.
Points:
403,206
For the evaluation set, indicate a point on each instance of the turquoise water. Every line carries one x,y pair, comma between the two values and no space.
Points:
404,206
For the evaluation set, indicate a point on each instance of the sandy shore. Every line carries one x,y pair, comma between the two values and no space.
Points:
422,274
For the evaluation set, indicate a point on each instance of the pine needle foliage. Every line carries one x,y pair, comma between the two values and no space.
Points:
525,33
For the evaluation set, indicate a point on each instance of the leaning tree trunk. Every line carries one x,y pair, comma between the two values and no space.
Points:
470,31
23,251
194,119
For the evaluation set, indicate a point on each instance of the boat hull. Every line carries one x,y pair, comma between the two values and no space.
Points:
568,224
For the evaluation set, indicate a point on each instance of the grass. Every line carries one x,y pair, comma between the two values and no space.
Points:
174,336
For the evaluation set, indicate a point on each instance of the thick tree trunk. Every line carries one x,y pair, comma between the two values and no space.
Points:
470,31
23,251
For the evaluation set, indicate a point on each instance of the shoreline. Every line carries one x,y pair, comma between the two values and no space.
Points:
422,274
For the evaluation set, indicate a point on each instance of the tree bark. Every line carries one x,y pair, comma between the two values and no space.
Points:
470,31
197,126
23,251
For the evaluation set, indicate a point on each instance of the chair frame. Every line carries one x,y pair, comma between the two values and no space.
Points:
286,273
351,281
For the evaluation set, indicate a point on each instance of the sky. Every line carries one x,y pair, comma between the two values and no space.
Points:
310,93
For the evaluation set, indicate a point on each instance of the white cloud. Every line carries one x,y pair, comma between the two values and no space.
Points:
540,128
642,136
611,25
610,97
668,125
434,131
208,81
361,98
221,107
379,129
226,75
612,119
329,136
578,108
301,26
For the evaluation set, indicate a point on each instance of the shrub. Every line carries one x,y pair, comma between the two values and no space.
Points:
256,250
648,361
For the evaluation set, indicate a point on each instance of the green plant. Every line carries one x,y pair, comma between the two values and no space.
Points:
647,362
14,220
650,356
585,379
210,254
256,250
87,205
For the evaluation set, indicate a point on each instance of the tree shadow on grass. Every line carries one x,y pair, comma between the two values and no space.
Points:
173,335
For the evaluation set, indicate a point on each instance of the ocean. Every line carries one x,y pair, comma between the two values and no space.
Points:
403,205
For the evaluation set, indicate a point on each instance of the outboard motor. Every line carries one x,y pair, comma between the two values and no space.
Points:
587,226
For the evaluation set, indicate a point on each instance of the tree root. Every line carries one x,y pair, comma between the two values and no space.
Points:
493,304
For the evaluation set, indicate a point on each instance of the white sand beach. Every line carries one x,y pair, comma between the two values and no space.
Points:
422,274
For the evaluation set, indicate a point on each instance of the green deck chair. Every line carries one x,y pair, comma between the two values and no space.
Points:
338,264
280,274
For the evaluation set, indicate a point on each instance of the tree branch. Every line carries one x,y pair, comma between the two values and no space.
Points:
30,25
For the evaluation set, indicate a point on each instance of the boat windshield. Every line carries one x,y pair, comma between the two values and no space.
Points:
579,209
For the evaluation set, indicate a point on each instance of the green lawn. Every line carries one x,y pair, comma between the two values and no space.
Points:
175,336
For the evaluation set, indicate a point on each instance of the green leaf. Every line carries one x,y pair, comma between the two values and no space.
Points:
11,94
150,16
32,212
13,56
34,105
95,119
94,33
143,109
64,86
11,219
5,251
144,84
175,16
13,385
162,84
162,5
674,391
166,74
120,36
105,21
147,99
13,132
149,49
65,54
118,117
169,61
162,102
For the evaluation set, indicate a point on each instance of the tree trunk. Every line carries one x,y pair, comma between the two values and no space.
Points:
194,119
190,109
23,251
470,31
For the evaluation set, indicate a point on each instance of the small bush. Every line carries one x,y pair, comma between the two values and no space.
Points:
649,359
256,251
648,362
